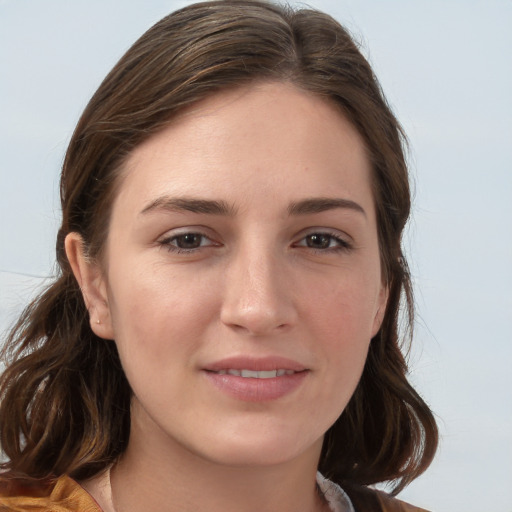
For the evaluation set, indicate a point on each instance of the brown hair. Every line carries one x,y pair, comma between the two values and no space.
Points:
65,400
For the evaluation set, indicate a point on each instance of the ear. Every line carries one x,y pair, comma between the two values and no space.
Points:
382,302
92,284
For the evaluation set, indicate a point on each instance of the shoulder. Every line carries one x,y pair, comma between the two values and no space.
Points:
61,495
365,499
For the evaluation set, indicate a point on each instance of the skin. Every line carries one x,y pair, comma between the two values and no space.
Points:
254,281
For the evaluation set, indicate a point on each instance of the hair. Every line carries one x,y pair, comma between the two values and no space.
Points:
65,401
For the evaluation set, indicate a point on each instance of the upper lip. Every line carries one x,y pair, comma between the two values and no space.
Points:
257,364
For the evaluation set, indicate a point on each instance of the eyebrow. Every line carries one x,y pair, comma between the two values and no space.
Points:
189,204
219,207
322,204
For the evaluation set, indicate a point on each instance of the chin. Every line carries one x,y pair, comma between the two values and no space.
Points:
261,450
252,457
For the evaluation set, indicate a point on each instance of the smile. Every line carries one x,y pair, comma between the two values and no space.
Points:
251,374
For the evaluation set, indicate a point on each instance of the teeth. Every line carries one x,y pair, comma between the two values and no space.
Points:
256,375
264,375
270,374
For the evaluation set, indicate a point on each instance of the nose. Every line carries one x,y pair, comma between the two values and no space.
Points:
258,297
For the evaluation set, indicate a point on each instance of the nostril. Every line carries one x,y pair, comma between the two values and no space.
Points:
255,321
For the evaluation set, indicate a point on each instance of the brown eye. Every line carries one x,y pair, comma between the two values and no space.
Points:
324,242
319,241
188,241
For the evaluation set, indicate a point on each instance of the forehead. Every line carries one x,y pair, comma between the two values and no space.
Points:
269,138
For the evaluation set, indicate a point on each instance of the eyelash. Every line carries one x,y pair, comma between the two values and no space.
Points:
341,244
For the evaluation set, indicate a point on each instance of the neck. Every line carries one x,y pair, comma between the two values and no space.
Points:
157,473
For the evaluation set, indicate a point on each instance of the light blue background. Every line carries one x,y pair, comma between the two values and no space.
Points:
446,67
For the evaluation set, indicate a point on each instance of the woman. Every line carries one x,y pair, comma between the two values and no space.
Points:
225,319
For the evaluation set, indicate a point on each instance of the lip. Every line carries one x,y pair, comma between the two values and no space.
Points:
250,389
257,364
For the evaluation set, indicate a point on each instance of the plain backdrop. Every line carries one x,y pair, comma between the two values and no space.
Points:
445,67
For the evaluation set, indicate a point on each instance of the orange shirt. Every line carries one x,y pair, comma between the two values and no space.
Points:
64,495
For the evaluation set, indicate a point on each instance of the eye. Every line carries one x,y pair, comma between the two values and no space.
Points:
324,242
186,242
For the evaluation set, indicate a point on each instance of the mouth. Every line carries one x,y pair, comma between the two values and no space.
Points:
257,379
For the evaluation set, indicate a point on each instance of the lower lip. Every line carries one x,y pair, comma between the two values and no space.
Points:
257,390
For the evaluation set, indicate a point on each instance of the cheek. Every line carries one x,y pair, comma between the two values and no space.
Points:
341,321
157,314
344,308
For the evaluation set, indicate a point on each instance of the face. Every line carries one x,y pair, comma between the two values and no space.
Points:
241,279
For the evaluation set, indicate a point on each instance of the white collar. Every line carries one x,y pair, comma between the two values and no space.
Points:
336,497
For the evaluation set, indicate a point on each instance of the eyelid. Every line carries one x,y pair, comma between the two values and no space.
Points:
184,230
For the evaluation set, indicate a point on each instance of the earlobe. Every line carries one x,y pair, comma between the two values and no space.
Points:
92,284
